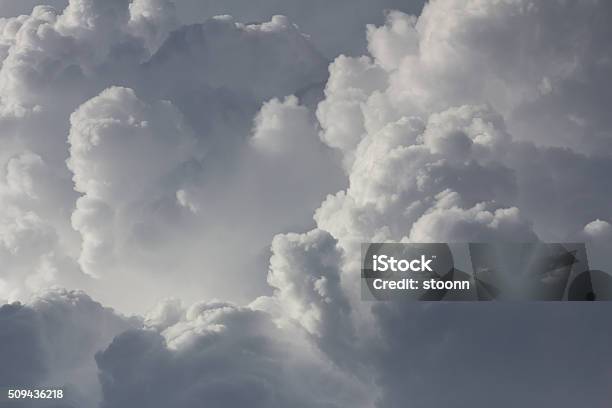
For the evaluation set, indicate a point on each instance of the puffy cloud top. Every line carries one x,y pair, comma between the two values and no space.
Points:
114,135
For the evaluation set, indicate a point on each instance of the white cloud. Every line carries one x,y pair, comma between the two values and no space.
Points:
475,121
320,19
121,150
218,74
50,47
351,82
439,145
390,43
270,134
31,250
443,116
447,222
226,356
599,230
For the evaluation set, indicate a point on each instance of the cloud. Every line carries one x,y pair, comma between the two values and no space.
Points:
50,342
152,20
499,354
435,114
266,60
599,230
473,54
225,356
304,272
322,27
190,149
351,81
438,146
114,135
329,36
270,134
50,46
446,222
217,73
32,254
14,8
411,172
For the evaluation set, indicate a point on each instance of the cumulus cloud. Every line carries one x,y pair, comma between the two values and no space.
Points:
120,151
411,170
319,18
224,355
329,36
47,48
473,53
435,114
304,271
32,253
260,61
50,342
447,222
218,74
190,147
14,8
351,81
438,145
152,20
270,134
501,354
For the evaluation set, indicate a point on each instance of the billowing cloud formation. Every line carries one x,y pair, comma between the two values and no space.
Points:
121,150
189,149
509,55
500,354
196,92
13,8
32,205
222,355
50,342
281,59
318,18
599,230
439,145
433,115
46,49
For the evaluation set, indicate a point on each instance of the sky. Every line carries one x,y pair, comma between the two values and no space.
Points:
184,187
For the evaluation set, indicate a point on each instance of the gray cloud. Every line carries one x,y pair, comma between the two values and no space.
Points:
499,354
223,356
13,8
113,135
190,147
317,18
50,342
218,74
